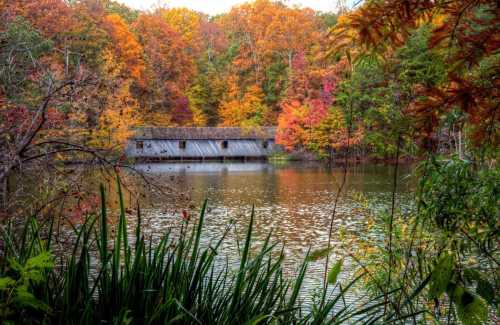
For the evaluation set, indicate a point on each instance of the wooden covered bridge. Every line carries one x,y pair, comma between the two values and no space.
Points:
202,143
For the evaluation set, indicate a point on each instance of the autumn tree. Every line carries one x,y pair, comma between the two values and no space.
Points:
309,119
126,47
205,95
465,31
265,37
246,110
169,69
186,23
36,96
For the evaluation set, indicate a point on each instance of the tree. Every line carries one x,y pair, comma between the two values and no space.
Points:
248,110
114,8
266,36
205,96
186,23
467,32
170,70
307,114
122,110
33,119
126,47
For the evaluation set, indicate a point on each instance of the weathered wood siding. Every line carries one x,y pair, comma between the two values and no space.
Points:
201,149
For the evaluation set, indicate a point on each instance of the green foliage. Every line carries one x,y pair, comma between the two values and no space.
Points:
471,309
113,7
334,272
443,257
274,85
459,200
206,92
319,254
418,65
441,276
329,19
18,284
461,196
380,91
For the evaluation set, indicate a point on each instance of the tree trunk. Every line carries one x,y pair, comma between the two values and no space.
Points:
4,190
460,151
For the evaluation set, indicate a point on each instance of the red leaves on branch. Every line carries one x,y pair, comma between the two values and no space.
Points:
181,114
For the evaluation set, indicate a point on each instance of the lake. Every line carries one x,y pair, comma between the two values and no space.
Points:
293,200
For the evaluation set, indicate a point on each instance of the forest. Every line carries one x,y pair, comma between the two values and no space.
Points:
313,74
390,81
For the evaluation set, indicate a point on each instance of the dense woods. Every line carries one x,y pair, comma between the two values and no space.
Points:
386,80
418,73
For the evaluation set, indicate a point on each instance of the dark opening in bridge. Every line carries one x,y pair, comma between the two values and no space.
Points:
224,144
139,145
265,144
182,144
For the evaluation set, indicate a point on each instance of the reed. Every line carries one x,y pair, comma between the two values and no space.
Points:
104,280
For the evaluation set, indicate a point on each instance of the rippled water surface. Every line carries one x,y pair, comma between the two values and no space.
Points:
295,201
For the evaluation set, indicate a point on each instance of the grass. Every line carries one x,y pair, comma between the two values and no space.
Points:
104,280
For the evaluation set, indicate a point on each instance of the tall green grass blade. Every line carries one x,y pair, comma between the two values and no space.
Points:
241,273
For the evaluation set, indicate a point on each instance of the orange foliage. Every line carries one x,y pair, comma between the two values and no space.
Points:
243,111
291,131
53,17
267,29
186,23
126,46
163,48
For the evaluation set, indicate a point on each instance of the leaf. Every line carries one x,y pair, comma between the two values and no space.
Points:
441,276
15,266
319,254
42,261
26,299
6,282
471,309
33,270
258,319
334,272
485,290
471,275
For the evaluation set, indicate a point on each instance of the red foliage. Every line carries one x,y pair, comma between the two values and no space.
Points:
53,17
311,93
181,113
163,47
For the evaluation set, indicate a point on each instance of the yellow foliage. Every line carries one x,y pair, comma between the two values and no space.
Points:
126,47
187,23
118,119
247,111
199,118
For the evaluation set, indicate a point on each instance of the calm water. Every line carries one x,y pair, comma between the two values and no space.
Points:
294,201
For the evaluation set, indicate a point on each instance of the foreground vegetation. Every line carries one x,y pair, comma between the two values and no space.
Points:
173,281
447,243
438,261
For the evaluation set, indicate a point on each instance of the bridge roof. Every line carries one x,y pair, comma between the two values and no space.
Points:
204,133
